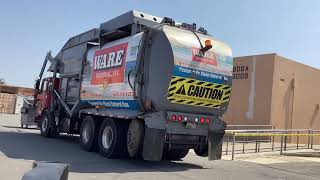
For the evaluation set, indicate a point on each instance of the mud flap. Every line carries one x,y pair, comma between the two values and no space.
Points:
215,139
153,144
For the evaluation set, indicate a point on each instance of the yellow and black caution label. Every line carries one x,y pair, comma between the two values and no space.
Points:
197,93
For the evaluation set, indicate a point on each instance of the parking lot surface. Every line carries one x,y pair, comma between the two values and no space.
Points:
20,147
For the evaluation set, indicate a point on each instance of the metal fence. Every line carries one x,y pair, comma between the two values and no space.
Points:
249,127
255,137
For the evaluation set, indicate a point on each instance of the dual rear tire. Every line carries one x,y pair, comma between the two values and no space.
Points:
175,154
107,136
112,138
202,152
89,134
118,138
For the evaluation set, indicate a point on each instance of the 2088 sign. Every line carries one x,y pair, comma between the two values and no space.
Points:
240,72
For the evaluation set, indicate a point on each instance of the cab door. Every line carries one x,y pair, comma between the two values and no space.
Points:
44,97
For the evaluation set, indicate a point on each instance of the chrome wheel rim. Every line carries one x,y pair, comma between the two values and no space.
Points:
44,124
107,137
86,133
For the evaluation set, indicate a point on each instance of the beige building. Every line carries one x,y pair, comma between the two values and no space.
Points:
16,90
272,90
11,98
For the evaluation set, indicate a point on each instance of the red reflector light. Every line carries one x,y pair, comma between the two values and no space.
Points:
173,117
179,118
207,120
202,120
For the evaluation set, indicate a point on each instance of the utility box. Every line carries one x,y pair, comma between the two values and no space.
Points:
272,90
19,104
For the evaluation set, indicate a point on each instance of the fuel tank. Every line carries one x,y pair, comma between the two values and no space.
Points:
176,75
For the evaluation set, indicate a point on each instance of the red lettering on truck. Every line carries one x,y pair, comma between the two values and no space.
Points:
208,57
109,65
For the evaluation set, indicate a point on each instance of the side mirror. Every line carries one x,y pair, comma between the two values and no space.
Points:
37,84
131,78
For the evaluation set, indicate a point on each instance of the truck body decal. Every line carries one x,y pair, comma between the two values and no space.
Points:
108,65
198,93
199,79
105,76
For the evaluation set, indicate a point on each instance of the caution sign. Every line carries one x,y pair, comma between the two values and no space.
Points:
197,93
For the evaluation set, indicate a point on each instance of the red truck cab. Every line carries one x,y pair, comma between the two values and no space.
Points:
43,96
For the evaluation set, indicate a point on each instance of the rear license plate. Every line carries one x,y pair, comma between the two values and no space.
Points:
190,125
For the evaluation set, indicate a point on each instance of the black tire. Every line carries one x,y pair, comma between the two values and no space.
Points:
45,124
175,154
112,138
202,152
217,151
89,134
135,138
48,126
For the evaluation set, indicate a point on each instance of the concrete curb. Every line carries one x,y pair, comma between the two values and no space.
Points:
303,154
48,171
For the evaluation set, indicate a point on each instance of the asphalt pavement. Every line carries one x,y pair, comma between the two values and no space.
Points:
20,147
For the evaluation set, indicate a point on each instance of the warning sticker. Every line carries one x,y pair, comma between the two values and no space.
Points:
197,93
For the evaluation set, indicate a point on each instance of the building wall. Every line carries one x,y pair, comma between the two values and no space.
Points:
250,102
7,103
8,97
273,90
295,100
16,90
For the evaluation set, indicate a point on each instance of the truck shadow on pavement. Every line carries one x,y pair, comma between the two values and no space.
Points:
65,149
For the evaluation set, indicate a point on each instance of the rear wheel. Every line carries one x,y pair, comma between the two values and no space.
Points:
175,154
112,139
89,134
135,137
202,152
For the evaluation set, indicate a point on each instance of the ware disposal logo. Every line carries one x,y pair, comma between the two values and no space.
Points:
108,65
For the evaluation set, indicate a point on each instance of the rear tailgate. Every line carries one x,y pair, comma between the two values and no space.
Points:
199,79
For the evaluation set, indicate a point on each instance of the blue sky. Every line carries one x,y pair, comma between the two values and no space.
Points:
29,28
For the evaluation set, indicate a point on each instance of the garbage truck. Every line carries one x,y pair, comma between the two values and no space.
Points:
137,86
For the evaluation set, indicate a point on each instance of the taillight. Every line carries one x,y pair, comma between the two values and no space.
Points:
207,120
181,118
202,120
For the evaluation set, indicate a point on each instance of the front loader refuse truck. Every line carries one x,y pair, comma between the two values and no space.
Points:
138,86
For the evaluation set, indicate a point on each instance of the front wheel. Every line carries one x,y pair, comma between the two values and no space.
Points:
48,127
